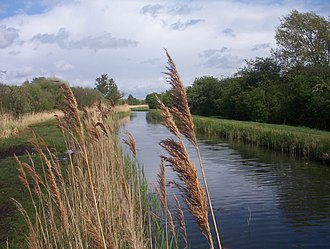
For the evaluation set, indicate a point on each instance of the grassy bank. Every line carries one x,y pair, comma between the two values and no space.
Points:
95,197
298,141
139,107
12,225
10,125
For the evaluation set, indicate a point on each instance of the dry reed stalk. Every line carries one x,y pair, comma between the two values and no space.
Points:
130,141
181,220
181,113
72,118
194,195
161,191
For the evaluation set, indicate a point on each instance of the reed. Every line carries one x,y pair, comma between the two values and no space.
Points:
10,125
297,141
178,120
97,198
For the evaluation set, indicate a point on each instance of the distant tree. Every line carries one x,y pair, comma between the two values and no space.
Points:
202,95
151,100
303,39
131,100
86,96
108,88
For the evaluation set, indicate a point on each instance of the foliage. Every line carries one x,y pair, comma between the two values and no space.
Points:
151,99
41,94
267,89
108,88
303,39
132,101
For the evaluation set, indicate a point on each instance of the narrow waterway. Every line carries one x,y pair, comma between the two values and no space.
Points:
262,199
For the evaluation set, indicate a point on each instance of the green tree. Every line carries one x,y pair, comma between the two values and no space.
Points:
303,39
202,95
108,88
131,100
86,96
151,100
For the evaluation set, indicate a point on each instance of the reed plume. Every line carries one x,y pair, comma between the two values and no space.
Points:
179,159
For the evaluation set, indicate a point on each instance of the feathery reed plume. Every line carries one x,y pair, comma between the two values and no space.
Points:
180,109
71,112
182,223
194,195
54,189
130,141
168,120
181,112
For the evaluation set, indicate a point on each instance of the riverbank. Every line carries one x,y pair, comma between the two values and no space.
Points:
13,227
298,141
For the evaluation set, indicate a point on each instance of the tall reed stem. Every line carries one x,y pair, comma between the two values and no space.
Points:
208,196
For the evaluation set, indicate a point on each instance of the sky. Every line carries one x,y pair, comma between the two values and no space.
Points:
79,40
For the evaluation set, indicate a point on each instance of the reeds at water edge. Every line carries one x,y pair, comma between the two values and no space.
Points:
96,197
179,159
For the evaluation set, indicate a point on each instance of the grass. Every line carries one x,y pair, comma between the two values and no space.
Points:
139,107
9,125
297,141
12,224
98,198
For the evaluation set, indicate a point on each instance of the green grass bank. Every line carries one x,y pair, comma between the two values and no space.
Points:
297,141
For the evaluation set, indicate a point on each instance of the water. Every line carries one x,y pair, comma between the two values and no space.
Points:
261,199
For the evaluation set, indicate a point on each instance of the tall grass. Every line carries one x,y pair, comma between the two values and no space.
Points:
10,125
95,199
98,198
178,120
302,142
297,141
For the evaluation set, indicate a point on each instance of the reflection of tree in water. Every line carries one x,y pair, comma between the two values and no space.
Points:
303,187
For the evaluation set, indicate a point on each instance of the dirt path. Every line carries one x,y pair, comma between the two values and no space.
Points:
17,150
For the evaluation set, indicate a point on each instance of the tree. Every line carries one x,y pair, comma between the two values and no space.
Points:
108,88
202,95
303,39
131,100
151,100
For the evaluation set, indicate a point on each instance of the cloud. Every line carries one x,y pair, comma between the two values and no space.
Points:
152,10
102,41
182,9
60,38
63,66
229,32
179,25
8,36
153,61
260,46
220,58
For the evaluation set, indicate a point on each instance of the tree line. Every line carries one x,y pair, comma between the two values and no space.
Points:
292,86
41,94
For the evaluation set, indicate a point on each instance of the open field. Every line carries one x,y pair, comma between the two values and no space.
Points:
10,125
298,141
139,107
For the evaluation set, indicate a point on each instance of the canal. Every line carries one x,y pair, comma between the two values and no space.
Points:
262,199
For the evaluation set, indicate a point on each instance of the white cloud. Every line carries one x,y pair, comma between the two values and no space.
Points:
8,36
79,40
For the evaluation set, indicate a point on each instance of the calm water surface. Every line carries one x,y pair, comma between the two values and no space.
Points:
262,199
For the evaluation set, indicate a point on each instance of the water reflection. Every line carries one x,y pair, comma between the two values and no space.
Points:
262,199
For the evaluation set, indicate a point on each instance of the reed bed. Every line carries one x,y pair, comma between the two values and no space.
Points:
97,198
298,141
10,125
